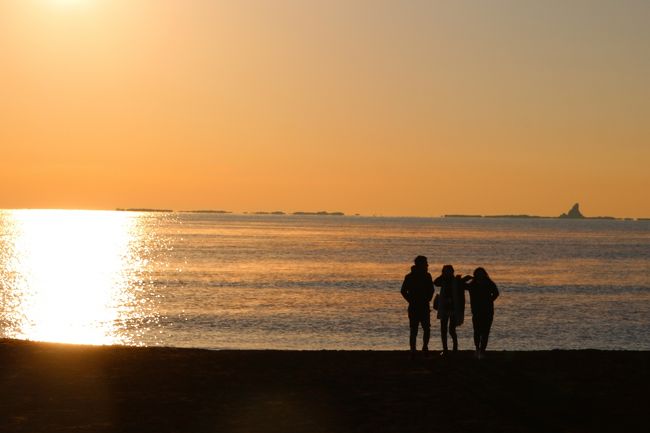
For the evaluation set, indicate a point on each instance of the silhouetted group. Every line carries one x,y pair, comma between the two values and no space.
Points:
418,289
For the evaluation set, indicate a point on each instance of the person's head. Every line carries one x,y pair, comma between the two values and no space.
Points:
481,274
421,263
448,270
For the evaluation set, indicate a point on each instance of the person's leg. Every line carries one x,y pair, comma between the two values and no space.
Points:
485,331
476,327
443,332
452,332
413,337
413,325
426,332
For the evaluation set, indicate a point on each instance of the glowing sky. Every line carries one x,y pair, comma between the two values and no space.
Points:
377,107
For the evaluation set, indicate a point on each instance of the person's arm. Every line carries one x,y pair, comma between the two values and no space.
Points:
495,292
430,290
463,282
405,290
438,281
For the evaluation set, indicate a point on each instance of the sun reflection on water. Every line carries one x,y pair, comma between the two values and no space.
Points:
69,276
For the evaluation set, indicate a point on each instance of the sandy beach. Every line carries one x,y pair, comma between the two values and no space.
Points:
63,388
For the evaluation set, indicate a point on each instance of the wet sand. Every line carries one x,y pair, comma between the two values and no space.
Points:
61,388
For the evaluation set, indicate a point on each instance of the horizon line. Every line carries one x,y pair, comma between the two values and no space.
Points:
323,213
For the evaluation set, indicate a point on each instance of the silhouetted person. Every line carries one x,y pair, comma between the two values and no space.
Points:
482,293
417,289
451,304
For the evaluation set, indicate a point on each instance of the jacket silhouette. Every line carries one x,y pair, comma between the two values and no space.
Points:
418,289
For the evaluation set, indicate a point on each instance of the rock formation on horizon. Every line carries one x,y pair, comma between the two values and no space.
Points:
573,213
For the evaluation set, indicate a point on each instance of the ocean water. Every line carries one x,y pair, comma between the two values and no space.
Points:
313,282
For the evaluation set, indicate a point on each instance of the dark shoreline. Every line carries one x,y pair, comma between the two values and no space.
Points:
52,387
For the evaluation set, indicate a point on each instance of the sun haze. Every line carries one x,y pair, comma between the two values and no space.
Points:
376,107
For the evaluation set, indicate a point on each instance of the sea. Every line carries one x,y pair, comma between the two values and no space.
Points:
313,282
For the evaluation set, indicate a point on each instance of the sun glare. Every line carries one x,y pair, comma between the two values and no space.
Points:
71,5
68,278
67,2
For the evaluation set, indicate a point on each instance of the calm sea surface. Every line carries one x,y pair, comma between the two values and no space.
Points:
311,282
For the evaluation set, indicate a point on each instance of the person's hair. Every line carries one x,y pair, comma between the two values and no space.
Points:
420,260
447,270
481,273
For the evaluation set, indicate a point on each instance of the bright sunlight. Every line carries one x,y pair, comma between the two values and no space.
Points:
71,273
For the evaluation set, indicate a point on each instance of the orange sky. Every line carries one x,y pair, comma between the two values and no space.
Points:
375,107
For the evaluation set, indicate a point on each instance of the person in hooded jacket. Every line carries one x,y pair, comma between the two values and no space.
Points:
417,290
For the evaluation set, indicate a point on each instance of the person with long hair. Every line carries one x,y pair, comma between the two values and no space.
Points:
482,294
451,305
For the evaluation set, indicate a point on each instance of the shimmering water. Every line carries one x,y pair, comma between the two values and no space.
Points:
309,282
